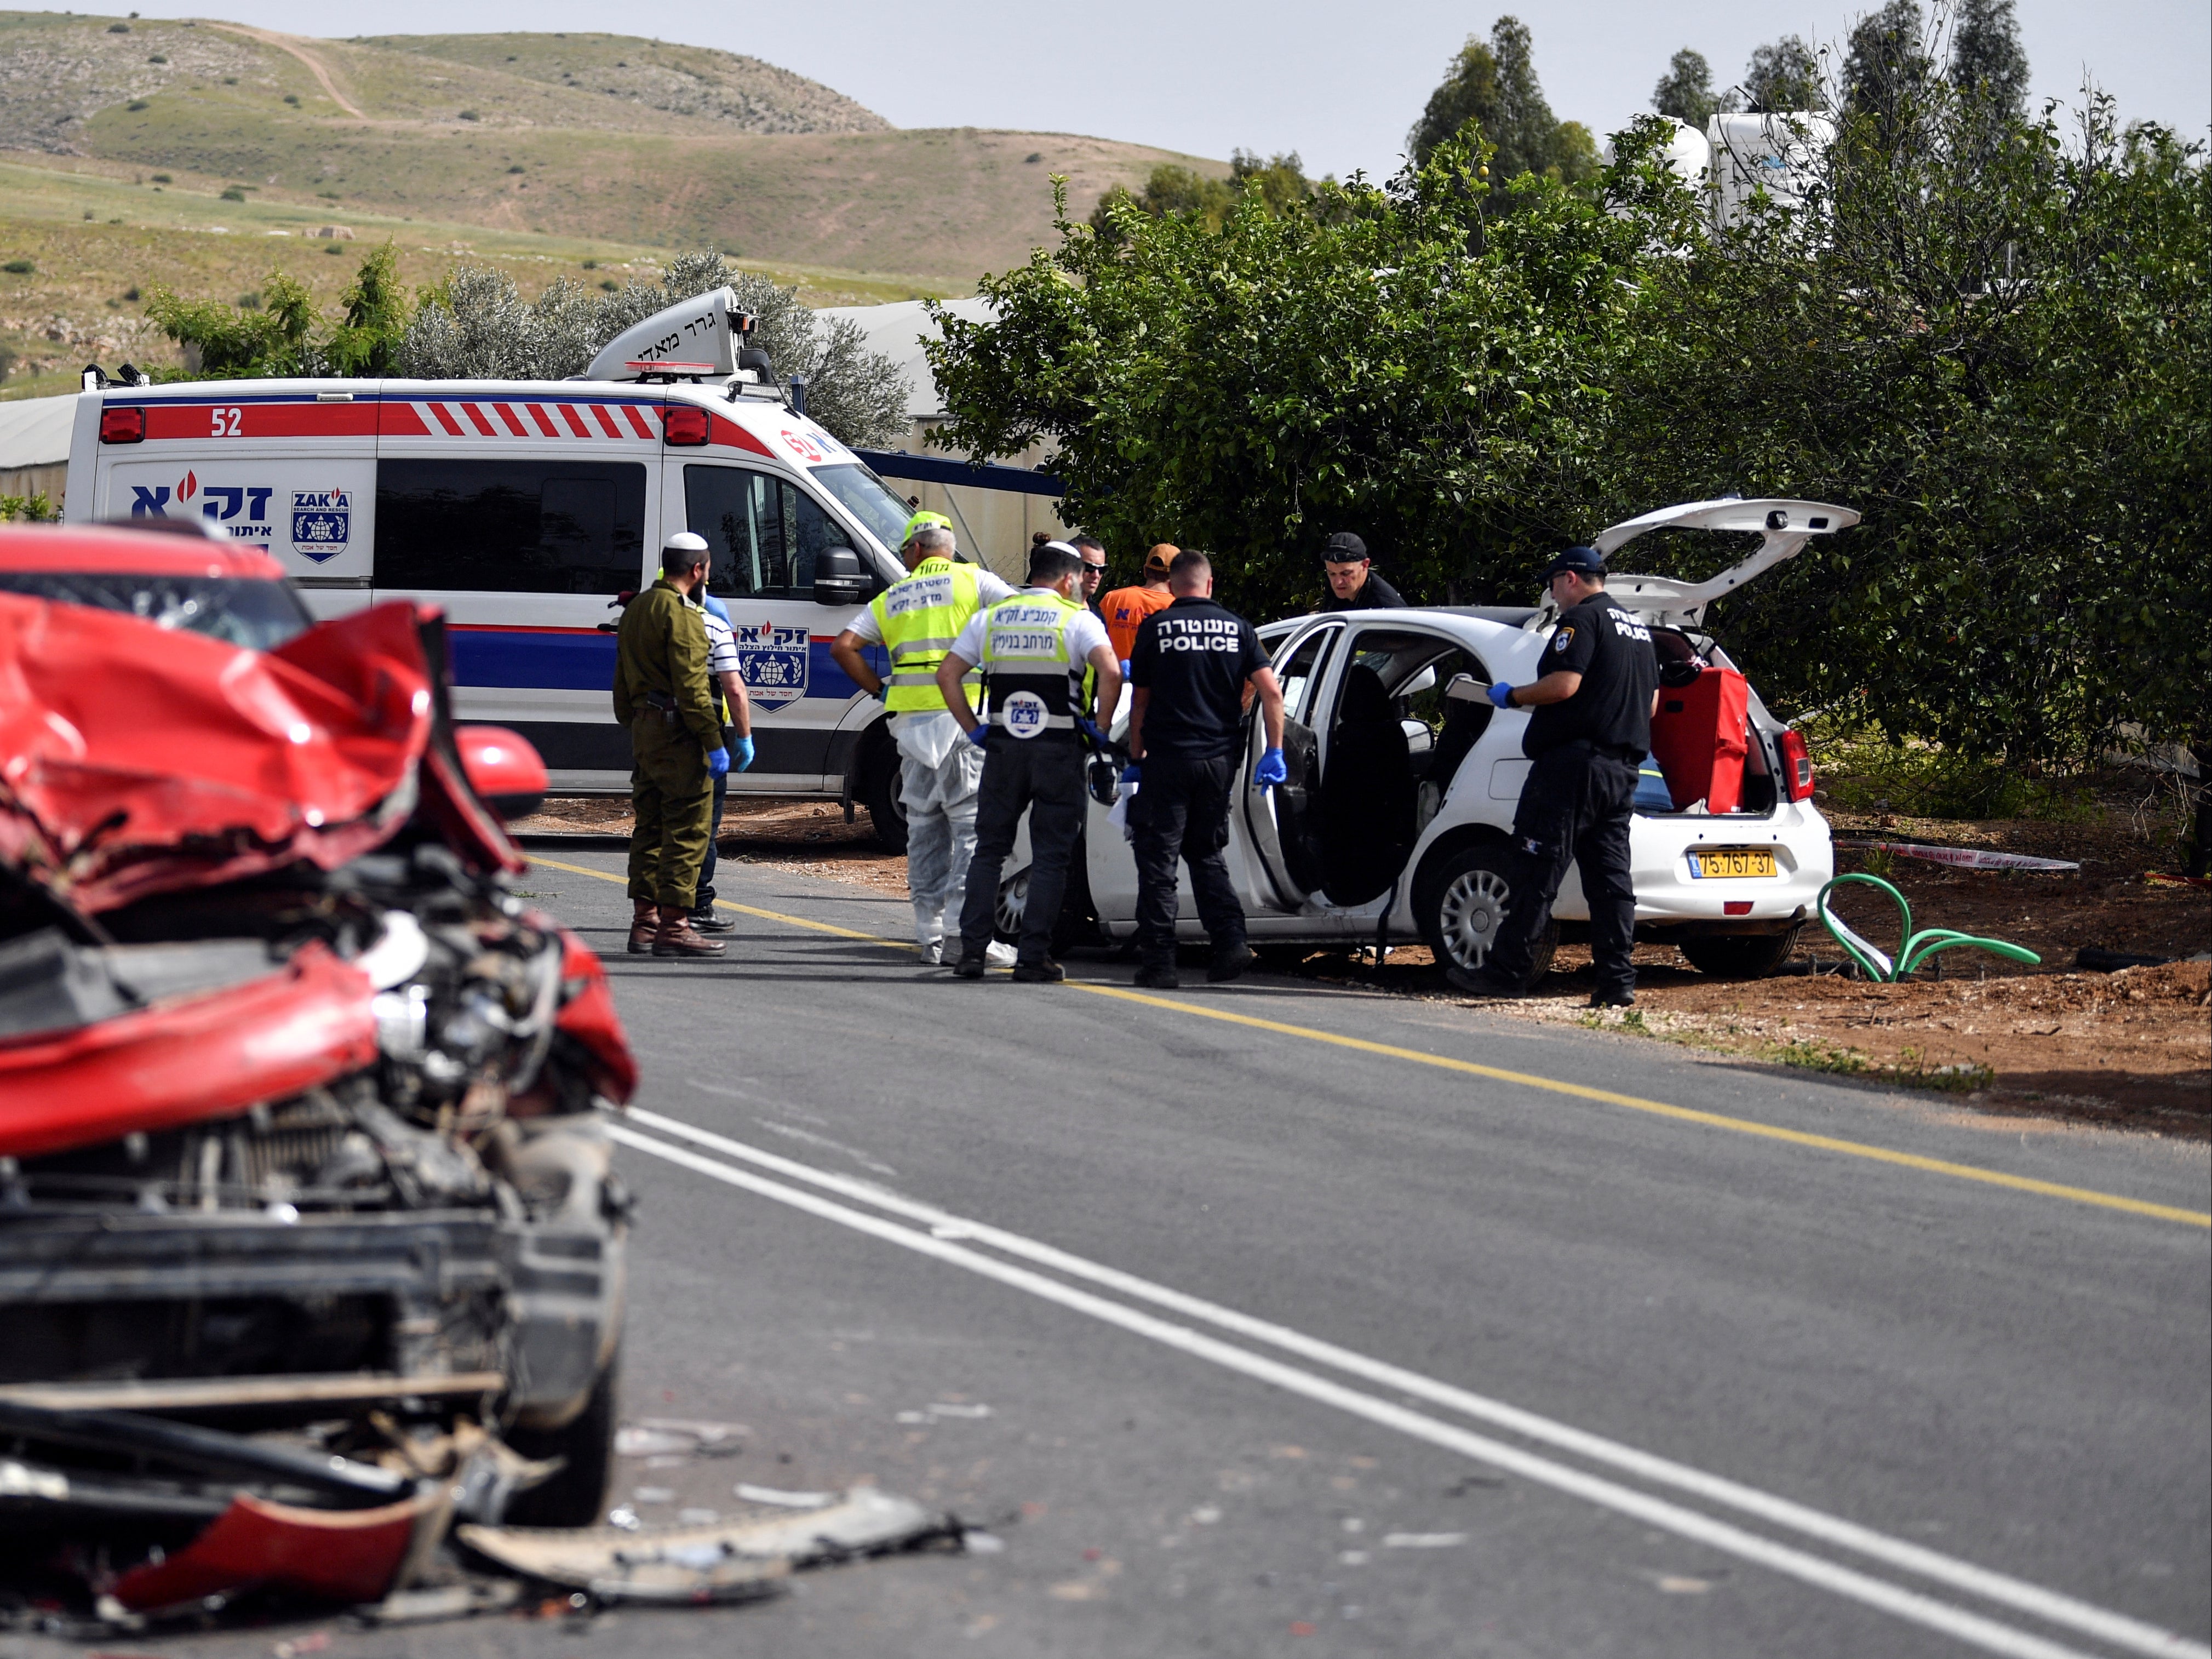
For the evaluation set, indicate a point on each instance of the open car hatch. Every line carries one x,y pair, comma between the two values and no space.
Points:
1782,527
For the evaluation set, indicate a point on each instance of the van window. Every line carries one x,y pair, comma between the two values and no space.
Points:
764,533
510,527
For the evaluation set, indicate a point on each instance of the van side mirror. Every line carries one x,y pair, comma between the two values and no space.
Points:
840,578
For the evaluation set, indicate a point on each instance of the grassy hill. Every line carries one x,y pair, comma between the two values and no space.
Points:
580,136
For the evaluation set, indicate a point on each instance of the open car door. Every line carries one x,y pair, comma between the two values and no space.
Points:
1281,827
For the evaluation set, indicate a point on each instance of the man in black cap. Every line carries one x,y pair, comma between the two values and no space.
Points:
1352,583
1590,728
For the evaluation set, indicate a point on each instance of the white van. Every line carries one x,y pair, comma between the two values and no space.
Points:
522,508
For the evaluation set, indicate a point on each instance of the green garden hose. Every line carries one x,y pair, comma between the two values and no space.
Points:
1913,949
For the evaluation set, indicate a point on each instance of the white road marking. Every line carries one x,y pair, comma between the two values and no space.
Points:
2058,1609
944,1228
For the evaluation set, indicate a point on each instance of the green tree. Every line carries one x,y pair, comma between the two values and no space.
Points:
1277,182
1493,85
1686,92
1423,365
1783,75
1987,60
283,337
2001,354
1887,67
377,312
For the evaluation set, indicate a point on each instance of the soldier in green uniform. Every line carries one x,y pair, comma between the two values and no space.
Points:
663,695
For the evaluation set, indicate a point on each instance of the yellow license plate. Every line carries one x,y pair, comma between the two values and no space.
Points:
1727,861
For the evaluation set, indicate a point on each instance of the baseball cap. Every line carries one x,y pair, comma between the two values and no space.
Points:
1583,560
1344,548
1160,559
921,521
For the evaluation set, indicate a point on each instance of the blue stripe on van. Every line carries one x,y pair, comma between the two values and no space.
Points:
564,659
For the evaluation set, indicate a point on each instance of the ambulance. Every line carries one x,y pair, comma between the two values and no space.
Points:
522,509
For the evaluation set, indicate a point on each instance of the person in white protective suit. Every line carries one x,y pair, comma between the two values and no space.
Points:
915,623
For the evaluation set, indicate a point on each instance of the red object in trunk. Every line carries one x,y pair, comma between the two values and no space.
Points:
187,1061
1698,737
347,1555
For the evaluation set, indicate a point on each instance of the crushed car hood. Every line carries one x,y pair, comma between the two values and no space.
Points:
136,760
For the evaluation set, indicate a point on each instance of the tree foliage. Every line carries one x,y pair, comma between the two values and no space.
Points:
2001,354
477,325
1783,75
1279,183
1686,92
1987,60
1492,84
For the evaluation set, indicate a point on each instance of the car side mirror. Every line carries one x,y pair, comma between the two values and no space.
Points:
840,578
502,768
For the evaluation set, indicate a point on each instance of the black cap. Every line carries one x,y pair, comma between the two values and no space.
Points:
1583,560
1344,548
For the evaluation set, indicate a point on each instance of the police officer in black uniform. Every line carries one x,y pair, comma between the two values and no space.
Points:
1590,728
1188,670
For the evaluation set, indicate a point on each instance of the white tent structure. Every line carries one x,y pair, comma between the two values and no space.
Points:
34,445
994,525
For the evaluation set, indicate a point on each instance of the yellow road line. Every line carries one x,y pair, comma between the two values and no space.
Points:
1529,1080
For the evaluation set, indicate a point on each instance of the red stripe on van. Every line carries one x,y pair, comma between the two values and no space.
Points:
606,420
401,420
545,425
477,415
735,436
520,427
575,420
197,420
637,419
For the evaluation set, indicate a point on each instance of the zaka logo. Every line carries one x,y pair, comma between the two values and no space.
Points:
322,520
772,661
242,509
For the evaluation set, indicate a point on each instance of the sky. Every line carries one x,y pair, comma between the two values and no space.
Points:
1338,84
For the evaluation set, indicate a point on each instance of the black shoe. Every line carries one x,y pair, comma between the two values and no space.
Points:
1043,971
1613,1000
1229,962
970,965
1481,982
708,919
1158,976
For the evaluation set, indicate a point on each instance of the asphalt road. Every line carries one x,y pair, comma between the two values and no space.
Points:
1327,1327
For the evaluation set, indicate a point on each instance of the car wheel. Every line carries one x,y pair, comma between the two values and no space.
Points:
585,1446
1460,901
1740,956
879,794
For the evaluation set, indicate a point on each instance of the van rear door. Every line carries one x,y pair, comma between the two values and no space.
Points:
286,467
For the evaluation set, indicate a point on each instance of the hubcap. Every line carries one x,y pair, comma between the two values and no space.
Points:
1473,906
1013,901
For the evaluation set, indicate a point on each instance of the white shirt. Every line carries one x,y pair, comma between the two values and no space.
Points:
1086,634
721,643
988,588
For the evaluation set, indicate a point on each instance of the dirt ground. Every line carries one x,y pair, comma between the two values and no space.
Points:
2133,1047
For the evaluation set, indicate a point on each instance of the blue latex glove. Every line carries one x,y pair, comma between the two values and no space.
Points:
1125,670
1501,695
1131,774
980,737
1271,771
1090,729
717,762
743,756
883,690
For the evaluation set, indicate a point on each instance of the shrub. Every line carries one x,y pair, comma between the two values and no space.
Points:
138,104
232,193
470,115
163,178
19,268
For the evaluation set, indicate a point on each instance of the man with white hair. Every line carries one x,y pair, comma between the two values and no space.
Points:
915,622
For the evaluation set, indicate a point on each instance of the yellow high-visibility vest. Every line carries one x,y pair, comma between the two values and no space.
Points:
920,618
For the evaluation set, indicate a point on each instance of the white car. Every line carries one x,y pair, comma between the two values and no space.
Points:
1394,825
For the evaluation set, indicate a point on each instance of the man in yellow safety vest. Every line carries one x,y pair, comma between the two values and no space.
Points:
915,623
1045,658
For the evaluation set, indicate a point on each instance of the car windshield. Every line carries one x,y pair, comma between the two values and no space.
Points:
864,495
256,614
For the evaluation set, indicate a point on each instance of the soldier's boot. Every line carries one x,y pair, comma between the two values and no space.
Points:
644,926
677,937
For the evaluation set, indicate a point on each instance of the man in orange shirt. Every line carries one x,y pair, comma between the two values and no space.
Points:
1126,607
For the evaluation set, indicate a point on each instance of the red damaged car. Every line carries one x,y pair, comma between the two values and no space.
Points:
300,1106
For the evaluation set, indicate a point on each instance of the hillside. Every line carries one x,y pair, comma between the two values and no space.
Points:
591,136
